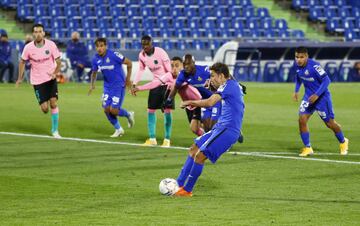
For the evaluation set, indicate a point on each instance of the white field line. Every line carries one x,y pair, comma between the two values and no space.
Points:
257,154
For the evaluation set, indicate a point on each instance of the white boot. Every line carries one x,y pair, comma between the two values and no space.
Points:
118,132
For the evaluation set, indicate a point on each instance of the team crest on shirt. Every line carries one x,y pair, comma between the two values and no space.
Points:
306,72
47,52
156,62
199,79
107,60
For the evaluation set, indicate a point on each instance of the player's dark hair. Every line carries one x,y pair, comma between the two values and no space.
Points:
146,38
177,58
38,25
220,68
188,57
301,49
103,40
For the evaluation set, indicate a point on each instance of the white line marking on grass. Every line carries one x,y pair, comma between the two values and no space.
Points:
257,154
84,140
293,157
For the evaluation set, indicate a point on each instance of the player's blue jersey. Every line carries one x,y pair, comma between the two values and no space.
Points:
197,80
232,110
110,66
311,76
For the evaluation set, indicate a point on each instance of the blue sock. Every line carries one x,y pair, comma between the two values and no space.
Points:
152,124
113,120
305,137
54,122
167,125
123,113
194,175
340,136
185,171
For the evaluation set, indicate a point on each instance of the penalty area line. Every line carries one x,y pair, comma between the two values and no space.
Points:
277,155
257,154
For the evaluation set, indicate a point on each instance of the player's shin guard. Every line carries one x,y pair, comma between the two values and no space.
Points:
167,124
152,123
185,171
123,113
340,136
195,172
305,137
54,119
113,120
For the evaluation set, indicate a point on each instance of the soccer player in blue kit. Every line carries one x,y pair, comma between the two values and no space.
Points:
197,76
316,98
222,136
110,64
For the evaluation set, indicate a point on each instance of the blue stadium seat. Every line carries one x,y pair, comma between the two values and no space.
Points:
192,11
350,35
163,23
58,23
281,24
266,23
87,11
222,11
199,44
56,2
271,72
332,25
313,3
355,12
332,70
162,11
104,23
41,10
167,44
248,12
89,23
344,12
238,23
133,10
72,10
61,33
57,11
102,11
235,11
25,12
263,12
209,23
178,11
348,24
118,10
134,23
241,72
283,34
317,13
327,3
297,34
225,23
73,23
91,33
344,71
252,23
207,11
147,11
254,70
149,22
331,12
285,72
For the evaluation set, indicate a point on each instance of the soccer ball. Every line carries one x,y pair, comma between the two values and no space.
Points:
168,186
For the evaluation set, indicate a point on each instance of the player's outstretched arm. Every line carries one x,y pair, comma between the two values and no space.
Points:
92,83
211,101
21,73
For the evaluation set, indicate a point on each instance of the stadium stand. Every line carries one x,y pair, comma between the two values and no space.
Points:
196,25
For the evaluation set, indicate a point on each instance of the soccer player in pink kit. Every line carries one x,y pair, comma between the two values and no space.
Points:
44,58
158,61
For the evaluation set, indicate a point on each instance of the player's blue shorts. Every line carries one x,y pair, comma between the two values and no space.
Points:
323,106
211,112
113,98
217,141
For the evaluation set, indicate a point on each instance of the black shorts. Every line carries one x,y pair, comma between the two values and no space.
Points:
193,114
46,90
157,97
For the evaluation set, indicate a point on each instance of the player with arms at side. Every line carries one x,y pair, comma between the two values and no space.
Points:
316,98
169,80
158,62
44,58
222,136
110,64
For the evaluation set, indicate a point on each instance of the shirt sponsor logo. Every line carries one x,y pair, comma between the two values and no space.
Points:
307,79
107,67
107,60
306,72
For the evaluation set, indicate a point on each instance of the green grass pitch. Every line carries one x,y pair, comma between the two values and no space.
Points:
63,182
